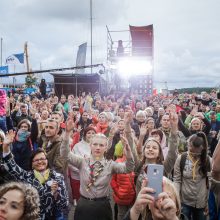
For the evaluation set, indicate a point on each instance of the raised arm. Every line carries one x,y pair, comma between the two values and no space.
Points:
8,161
183,128
128,135
143,132
172,144
65,152
128,166
34,126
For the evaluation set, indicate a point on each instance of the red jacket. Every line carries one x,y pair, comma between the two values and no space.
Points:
123,187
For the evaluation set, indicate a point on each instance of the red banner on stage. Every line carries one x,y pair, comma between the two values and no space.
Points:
142,40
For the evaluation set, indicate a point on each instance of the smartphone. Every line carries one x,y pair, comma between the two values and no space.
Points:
155,178
218,95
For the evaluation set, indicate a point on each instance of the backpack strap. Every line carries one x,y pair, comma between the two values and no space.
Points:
208,164
31,145
182,163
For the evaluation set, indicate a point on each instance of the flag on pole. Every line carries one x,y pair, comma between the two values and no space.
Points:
15,59
3,70
81,57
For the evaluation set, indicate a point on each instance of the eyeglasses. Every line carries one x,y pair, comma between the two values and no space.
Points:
39,160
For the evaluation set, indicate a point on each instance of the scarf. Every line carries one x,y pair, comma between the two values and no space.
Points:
42,177
101,128
95,170
22,135
194,164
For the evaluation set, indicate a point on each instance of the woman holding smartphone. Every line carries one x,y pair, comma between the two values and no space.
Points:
152,151
95,175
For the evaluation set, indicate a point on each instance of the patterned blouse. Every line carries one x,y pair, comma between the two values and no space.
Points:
48,204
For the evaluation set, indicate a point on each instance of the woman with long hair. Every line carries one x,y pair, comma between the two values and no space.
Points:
152,151
215,183
191,177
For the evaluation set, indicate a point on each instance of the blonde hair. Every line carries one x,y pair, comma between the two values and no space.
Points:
99,135
195,119
169,185
141,113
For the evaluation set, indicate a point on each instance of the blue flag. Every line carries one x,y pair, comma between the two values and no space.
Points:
15,59
3,70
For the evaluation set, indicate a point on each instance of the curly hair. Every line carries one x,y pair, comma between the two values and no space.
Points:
31,198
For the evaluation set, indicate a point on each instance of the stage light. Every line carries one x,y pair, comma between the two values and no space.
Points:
132,66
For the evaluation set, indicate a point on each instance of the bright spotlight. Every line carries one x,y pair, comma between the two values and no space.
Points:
128,67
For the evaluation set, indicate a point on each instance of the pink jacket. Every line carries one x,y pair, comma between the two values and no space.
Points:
3,99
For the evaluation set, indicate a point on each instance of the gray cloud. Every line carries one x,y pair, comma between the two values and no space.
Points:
186,33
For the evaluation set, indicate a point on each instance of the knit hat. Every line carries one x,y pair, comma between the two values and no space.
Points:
118,150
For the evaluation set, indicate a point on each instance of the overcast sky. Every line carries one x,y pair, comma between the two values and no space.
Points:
186,34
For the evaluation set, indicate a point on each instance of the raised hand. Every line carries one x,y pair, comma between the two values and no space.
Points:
113,130
70,125
126,146
173,121
194,110
143,130
200,115
167,206
128,117
9,138
33,111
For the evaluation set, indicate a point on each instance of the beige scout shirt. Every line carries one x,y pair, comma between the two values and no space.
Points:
101,186
192,192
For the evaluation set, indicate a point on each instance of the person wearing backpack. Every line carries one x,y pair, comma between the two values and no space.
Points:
191,177
215,183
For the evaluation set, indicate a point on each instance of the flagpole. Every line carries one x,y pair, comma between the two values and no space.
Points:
1,49
91,33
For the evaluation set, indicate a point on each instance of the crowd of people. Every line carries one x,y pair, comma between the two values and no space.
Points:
85,157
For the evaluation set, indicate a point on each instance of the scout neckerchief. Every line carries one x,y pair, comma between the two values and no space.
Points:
42,176
194,165
95,170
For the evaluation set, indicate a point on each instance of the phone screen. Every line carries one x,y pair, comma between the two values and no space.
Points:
155,178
